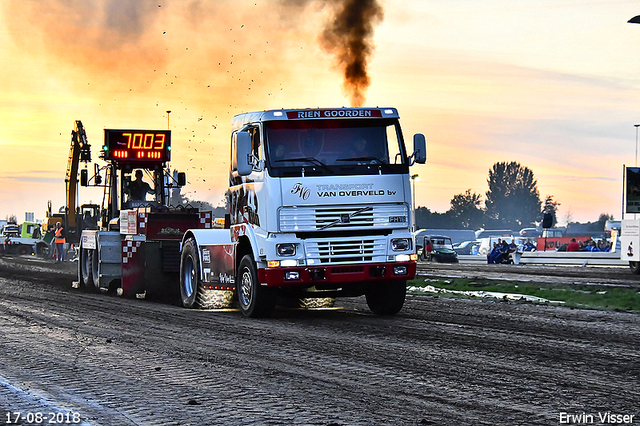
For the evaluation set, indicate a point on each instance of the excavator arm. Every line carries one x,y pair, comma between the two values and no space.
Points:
80,150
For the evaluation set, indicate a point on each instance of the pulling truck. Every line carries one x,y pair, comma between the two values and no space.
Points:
320,206
135,249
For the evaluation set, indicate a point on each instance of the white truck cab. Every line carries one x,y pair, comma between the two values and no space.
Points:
320,206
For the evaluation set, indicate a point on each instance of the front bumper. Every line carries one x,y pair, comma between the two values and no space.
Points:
336,274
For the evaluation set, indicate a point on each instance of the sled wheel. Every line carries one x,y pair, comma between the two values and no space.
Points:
95,268
85,265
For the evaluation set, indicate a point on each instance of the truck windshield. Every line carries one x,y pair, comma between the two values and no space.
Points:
334,147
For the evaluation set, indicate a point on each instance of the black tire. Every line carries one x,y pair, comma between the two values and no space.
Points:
189,275
42,250
95,269
254,300
635,267
387,297
85,268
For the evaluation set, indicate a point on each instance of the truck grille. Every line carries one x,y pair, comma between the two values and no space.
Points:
346,251
305,219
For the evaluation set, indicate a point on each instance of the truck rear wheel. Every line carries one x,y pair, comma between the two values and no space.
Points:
189,274
254,299
635,267
387,297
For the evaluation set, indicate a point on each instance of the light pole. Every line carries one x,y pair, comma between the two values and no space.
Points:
634,20
414,178
636,126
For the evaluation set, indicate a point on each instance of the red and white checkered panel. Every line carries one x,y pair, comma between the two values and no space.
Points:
133,264
206,220
142,222
129,248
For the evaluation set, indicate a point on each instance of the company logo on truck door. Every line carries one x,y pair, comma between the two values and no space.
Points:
301,191
350,190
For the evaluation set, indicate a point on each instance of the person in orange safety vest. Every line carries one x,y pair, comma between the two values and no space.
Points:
59,241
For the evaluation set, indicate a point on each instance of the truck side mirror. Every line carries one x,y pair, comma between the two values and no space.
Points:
419,149
96,173
182,179
84,177
243,153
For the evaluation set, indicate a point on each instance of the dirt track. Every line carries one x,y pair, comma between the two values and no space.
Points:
439,362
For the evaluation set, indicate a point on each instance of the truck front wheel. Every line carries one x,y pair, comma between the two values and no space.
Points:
386,298
635,267
254,299
189,274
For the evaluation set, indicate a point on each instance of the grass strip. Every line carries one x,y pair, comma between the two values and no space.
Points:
575,296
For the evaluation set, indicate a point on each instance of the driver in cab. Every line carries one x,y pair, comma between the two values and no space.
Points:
138,189
364,152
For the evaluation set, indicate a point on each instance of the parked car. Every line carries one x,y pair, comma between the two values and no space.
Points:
437,248
485,233
530,232
467,247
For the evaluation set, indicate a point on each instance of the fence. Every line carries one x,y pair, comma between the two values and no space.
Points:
576,258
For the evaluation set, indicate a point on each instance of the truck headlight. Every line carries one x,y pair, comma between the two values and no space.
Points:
401,244
286,249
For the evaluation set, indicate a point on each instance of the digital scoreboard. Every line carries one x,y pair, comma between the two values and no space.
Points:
137,145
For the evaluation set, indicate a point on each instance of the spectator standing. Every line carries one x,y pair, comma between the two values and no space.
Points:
428,248
59,241
573,245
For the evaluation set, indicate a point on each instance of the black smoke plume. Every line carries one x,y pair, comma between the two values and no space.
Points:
349,38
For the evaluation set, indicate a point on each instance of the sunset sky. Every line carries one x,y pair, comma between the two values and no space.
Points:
551,84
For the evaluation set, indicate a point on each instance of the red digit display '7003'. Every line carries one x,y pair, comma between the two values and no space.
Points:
137,145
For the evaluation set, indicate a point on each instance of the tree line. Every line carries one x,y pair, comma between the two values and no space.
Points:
511,202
